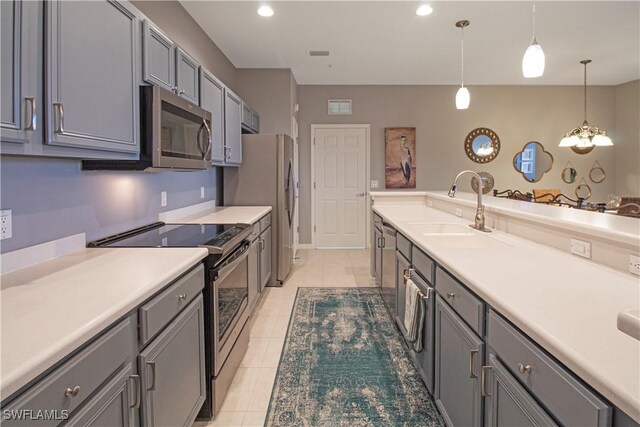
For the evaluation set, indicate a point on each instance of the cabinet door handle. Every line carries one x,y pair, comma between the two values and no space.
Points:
450,295
30,111
472,353
483,386
137,391
181,92
182,297
175,89
59,107
72,392
524,368
152,364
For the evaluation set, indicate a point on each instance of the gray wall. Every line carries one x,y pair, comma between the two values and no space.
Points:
627,148
518,114
271,93
174,21
53,198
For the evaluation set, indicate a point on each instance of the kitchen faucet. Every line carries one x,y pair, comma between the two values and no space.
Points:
479,219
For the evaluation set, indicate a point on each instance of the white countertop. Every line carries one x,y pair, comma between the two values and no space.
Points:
227,215
614,227
566,304
52,308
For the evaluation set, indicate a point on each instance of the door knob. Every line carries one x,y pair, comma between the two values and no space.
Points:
362,194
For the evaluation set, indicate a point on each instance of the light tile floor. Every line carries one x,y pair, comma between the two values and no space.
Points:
247,402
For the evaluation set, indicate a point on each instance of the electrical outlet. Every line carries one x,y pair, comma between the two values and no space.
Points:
580,248
163,198
430,203
374,184
5,224
634,264
202,192
459,212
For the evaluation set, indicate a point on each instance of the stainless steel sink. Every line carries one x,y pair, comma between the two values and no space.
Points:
629,323
439,228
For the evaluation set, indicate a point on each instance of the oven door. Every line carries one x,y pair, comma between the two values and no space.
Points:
181,132
230,298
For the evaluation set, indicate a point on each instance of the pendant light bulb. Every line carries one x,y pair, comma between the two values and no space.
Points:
463,98
533,59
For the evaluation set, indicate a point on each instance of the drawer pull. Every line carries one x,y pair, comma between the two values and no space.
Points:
136,381
182,297
471,354
524,368
153,375
72,392
483,386
59,107
450,295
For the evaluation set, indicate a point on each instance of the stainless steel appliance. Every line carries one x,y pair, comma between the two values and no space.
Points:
266,179
175,134
388,285
225,293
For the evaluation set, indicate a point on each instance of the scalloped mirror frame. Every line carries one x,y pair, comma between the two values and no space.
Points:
521,153
468,145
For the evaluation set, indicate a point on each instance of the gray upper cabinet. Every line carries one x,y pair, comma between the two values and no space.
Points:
457,369
250,119
21,101
91,78
158,57
187,76
507,403
265,257
172,371
255,121
232,128
212,99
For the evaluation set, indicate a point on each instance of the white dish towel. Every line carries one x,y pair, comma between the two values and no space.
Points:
410,308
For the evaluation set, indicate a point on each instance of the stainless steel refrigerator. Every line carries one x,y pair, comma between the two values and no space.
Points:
266,179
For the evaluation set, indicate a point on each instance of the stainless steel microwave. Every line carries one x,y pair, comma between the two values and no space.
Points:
175,134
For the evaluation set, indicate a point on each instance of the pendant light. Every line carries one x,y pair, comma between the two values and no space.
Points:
463,97
533,59
585,136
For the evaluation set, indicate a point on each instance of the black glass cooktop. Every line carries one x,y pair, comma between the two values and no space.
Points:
174,235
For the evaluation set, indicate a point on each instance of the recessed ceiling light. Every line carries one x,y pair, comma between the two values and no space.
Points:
424,10
265,11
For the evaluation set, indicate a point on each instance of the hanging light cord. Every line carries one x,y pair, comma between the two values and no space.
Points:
462,59
534,20
585,92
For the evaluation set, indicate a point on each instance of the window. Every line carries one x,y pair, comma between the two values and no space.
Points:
339,106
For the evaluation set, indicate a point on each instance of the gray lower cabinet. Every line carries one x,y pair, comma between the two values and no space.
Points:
212,99
458,360
115,405
253,273
158,57
187,76
232,129
425,358
265,257
172,371
507,403
21,101
91,76
402,267
376,256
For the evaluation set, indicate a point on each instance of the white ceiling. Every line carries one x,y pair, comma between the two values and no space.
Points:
385,42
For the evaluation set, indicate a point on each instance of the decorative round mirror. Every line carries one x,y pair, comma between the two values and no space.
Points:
569,174
583,191
533,162
487,183
482,145
596,174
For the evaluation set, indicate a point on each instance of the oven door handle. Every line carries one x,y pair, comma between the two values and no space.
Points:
238,256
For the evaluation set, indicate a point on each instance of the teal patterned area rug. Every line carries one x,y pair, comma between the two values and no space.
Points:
345,364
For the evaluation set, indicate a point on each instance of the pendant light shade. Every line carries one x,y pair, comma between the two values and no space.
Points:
463,97
585,136
533,59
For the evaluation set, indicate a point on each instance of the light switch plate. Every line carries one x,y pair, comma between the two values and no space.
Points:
163,198
375,183
202,192
459,212
634,264
580,248
5,224
430,203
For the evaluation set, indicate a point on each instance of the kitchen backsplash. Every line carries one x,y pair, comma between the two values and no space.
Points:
54,198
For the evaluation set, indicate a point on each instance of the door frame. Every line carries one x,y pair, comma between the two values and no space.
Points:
367,128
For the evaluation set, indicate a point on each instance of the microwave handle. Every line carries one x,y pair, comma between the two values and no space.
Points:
205,153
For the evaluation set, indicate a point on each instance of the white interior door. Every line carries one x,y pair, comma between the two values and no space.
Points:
340,187
296,189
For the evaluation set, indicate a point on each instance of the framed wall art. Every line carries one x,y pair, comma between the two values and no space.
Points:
400,157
